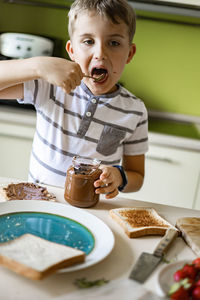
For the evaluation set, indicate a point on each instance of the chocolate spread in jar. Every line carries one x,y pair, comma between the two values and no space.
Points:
27,191
79,184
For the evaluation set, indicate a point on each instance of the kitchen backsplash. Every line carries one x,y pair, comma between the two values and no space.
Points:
165,71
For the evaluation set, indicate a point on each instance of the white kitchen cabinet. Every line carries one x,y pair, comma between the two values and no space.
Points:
17,128
197,198
172,176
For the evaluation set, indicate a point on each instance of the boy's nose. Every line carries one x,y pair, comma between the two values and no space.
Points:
100,52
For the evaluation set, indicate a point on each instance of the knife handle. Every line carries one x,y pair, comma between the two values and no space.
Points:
165,242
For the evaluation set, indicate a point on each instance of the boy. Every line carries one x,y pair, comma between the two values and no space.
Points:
77,115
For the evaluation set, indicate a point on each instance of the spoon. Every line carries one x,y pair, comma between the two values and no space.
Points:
95,78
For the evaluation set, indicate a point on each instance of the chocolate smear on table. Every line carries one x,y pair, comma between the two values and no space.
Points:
27,191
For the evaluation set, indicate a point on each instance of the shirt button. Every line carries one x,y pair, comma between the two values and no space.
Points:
94,100
88,114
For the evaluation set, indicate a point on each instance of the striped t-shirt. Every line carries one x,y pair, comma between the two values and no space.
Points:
105,127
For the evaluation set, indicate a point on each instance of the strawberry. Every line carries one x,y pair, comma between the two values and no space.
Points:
196,263
197,283
181,290
196,293
180,294
189,271
187,282
179,274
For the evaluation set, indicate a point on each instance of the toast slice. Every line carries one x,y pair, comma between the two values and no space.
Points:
190,229
140,221
25,191
36,258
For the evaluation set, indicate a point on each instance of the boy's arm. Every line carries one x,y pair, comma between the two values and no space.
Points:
13,92
58,71
15,72
12,74
111,178
134,167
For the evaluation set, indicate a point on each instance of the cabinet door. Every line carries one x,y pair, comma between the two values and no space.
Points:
171,177
15,148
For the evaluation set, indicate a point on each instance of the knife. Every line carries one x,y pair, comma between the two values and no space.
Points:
147,262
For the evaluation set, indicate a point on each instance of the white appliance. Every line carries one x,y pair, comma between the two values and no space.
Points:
20,45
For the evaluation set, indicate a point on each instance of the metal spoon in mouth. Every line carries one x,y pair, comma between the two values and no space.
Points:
97,79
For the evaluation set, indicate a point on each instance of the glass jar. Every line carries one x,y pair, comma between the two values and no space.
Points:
79,184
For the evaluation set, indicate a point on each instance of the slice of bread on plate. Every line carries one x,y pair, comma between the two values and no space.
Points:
36,258
140,221
190,229
25,191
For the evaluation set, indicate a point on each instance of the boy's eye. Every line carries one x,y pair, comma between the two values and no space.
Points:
114,43
88,42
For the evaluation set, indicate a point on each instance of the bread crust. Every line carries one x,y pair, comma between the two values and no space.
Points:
3,196
140,221
190,229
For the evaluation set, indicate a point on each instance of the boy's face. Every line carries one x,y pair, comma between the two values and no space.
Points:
99,46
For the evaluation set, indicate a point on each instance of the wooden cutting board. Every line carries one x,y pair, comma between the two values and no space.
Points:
190,229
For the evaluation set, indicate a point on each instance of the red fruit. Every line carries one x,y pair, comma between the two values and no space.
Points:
196,263
196,293
189,271
197,283
179,274
180,294
188,284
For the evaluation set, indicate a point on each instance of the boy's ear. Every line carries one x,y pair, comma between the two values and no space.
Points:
69,50
131,53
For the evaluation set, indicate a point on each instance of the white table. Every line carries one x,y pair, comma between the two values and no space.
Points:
117,266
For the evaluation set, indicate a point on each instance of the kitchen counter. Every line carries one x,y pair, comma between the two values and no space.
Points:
17,122
174,141
116,267
17,115
175,130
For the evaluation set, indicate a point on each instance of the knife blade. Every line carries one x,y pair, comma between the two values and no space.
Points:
147,262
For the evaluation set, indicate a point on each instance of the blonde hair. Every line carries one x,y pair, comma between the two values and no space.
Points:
111,9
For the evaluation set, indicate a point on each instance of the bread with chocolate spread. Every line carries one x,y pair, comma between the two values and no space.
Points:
36,258
25,191
140,221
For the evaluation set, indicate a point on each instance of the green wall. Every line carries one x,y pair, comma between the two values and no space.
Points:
165,71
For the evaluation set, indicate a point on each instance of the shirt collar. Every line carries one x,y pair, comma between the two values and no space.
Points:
110,95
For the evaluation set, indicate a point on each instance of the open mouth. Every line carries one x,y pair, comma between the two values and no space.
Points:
100,74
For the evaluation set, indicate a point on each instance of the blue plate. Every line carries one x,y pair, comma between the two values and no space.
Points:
57,222
51,227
